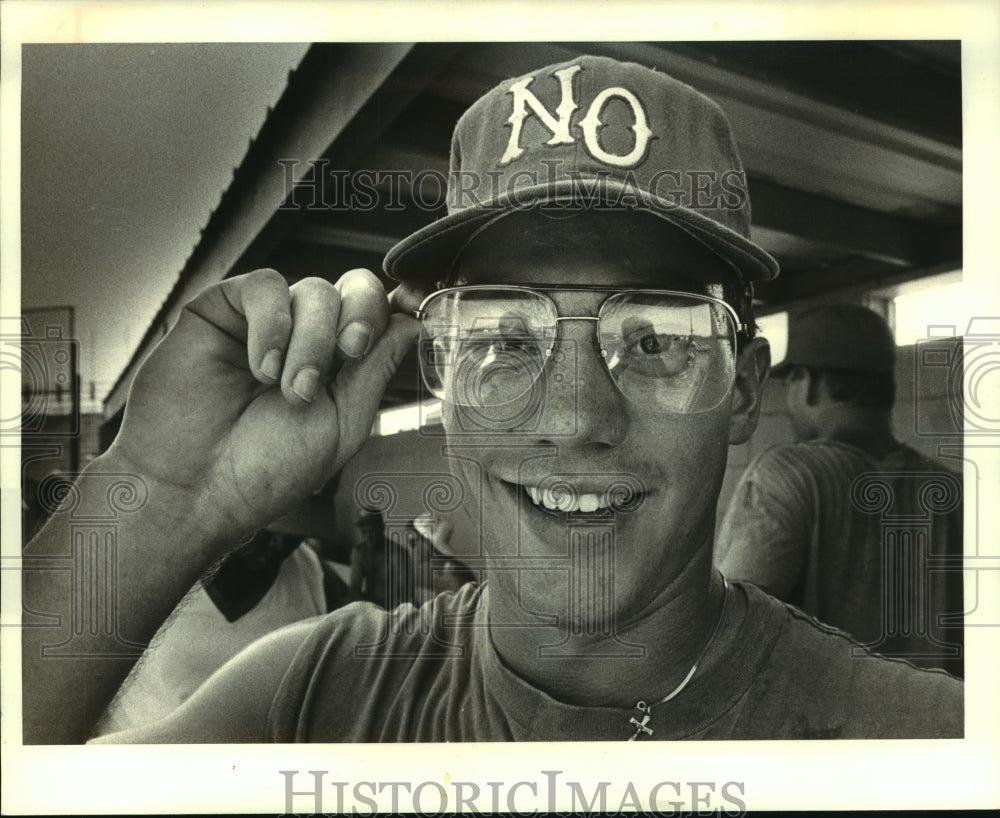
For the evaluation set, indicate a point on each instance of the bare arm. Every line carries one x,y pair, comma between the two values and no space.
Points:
73,667
232,705
252,401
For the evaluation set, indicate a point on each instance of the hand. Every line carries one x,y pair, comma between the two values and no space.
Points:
261,392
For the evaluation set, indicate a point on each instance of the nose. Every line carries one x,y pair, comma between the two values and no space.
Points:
581,404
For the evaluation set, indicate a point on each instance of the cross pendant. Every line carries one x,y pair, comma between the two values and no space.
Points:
640,726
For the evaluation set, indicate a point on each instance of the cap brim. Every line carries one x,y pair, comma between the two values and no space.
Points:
427,255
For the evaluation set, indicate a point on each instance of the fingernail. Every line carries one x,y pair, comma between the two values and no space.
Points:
354,338
271,365
305,382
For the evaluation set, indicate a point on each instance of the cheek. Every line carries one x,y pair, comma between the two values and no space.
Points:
682,447
476,424
687,462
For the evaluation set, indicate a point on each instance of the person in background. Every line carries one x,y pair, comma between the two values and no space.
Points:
847,524
445,571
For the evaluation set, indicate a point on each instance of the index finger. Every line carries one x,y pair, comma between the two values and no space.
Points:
364,313
254,309
407,298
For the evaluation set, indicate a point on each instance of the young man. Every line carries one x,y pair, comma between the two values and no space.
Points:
585,317
846,524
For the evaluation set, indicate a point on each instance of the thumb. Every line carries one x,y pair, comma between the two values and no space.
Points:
359,386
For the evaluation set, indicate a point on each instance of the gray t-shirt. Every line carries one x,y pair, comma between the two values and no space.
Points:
365,675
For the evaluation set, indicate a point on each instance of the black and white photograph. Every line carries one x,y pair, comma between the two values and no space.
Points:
422,405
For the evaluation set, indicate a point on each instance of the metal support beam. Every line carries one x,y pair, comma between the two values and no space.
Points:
855,230
844,281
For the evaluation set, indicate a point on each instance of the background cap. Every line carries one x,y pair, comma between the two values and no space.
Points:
592,133
839,336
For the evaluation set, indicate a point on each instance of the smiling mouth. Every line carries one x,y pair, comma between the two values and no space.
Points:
557,496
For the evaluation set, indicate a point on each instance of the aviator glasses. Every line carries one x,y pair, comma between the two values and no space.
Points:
484,346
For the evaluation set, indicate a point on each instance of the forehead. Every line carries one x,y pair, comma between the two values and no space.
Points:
612,248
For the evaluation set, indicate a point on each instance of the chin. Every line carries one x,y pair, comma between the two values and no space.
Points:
583,566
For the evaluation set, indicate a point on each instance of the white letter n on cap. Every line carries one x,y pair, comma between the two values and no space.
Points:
558,125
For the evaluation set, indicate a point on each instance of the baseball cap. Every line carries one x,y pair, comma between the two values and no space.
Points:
592,133
839,336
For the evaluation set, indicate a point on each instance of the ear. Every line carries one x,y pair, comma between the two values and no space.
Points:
752,368
815,387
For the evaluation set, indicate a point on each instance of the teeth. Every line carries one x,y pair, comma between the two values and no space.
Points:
563,500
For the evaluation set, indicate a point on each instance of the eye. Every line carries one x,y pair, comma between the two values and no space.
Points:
660,355
652,344
649,342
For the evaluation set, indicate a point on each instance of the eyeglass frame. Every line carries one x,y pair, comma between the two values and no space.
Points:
740,327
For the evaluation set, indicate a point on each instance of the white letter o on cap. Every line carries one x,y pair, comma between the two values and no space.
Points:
592,121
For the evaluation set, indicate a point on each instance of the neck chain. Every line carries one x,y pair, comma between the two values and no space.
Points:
646,710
